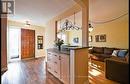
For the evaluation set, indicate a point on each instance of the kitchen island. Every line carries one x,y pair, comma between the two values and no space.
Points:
69,66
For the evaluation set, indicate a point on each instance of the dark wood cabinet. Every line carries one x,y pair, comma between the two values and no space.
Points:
27,43
3,32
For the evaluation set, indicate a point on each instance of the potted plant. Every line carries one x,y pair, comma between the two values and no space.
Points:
58,43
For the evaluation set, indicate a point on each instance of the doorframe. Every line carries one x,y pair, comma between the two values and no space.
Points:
13,27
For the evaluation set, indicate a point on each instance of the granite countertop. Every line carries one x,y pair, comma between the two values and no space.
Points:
59,52
65,51
75,48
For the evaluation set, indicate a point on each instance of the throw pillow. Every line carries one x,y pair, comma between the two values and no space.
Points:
115,52
122,53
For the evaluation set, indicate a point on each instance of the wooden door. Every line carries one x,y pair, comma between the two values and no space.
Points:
31,43
27,43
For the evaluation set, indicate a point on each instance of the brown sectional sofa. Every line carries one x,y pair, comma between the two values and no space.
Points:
100,53
116,67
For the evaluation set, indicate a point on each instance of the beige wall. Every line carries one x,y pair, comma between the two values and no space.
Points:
38,31
50,26
74,34
50,34
116,33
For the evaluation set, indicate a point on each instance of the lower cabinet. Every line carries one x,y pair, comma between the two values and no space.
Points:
65,69
58,65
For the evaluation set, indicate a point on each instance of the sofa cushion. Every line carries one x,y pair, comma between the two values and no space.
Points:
105,55
90,51
122,53
118,58
98,50
99,57
115,52
108,51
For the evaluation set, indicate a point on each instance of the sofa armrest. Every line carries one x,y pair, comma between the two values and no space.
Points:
90,51
117,70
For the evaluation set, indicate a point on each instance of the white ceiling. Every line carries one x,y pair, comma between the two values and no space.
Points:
38,12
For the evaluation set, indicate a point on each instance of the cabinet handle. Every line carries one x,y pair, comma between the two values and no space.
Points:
49,53
56,55
55,62
49,67
49,60
59,57
55,71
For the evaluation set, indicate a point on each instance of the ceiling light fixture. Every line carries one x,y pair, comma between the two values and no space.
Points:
27,24
68,25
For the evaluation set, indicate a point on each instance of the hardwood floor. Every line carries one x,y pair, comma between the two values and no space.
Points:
28,72
97,76
33,71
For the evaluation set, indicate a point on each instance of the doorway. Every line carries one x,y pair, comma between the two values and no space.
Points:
21,44
14,44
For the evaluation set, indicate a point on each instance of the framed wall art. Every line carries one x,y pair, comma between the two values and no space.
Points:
76,40
100,38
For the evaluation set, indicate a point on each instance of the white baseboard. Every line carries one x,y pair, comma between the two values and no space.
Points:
28,58
39,56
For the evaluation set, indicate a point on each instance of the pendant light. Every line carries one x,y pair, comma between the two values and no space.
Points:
68,25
